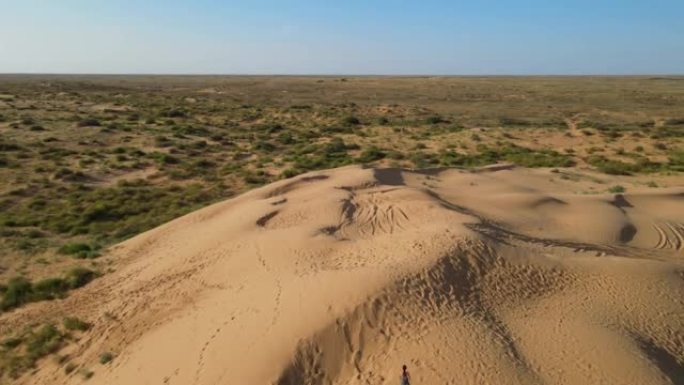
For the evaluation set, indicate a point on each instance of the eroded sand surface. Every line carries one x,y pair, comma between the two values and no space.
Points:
339,277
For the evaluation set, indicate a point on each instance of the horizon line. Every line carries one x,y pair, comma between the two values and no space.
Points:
331,75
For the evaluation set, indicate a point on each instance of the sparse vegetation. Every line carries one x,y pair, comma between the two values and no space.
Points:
89,167
27,347
79,250
106,358
616,189
73,323
19,290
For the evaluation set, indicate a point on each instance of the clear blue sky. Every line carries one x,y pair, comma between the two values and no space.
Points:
343,36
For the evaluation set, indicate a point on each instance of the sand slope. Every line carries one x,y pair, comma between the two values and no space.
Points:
339,277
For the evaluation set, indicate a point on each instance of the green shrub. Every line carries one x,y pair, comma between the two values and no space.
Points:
46,340
338,129
290,172
536,158
371,154
351,121
676,160
49,288
86,373
616,189
84,250
18,292
609,166
675,122
27,120
173,113
255,179
423,160
106,357
11,343
434,119
508,121
264,146
79,276
20,352
73,323
269,128
69,368
616,167
337,146
286,138
519,155
168,159
89,122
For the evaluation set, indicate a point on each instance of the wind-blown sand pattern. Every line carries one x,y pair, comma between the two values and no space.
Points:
498,276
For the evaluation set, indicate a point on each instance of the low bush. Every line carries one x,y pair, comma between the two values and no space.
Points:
675,122
83,250
89,122
46,340
509,121
290,172
286,138
423,160
616,189
371,154
106,357
173,113
17,292
73,323
610,166
351,121
79,277
676,161
21,352
434,119
20,290
510,153
49,288
617,167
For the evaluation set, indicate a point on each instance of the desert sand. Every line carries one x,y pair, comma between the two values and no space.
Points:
495,276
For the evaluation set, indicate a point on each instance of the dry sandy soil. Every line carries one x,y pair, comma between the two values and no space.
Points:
499,275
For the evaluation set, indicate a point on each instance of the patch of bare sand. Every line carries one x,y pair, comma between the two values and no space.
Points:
340,277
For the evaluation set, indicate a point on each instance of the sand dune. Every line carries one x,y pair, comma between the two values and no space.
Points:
502,276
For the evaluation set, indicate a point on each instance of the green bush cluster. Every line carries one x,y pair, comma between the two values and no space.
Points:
315,157
371,154
19,354
434,119
108,214
173,113
80,250
89,122
510,153
73,323
675,122
676,160
617,189
28,348
617,167
19,290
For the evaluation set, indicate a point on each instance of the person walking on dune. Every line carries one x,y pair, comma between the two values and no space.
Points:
405,376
